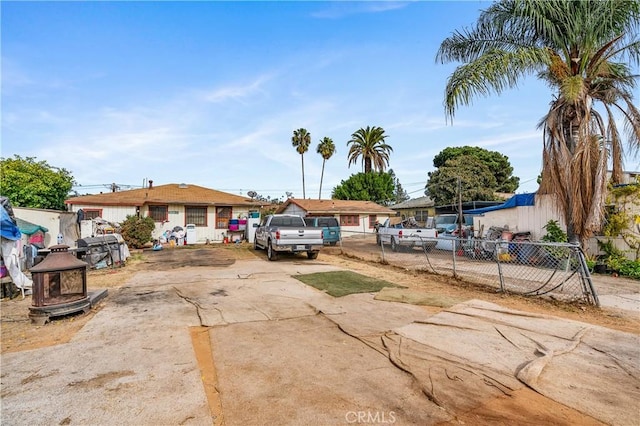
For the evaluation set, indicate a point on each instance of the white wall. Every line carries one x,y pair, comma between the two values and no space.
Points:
176,217
346,231
50,219
110,214
295,209
523,218
363,227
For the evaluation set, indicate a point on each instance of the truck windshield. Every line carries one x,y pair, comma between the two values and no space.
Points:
446,220
329,222
287,221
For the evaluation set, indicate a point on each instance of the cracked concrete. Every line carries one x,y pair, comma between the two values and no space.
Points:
284,352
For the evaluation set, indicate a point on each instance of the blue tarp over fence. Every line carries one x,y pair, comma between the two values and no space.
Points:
515,201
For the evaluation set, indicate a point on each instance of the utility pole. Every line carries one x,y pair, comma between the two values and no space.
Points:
460,215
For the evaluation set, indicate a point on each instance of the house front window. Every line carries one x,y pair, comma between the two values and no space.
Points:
196,215
90,214
159,213
349,220
422,215
372,221
223,214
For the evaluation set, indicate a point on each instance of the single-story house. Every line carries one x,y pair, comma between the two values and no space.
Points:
172,205
355,217
421,209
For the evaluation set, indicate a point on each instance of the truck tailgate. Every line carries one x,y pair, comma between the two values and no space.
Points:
299,236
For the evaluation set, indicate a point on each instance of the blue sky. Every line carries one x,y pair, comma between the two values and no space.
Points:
209,93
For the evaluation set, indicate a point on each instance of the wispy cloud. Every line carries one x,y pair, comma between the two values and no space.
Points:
15,79
508,139
337,10
237,92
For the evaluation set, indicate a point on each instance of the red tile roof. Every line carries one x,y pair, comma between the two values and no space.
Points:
337,207
164,194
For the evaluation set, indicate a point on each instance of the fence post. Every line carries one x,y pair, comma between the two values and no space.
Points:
496,256
586,276
454,249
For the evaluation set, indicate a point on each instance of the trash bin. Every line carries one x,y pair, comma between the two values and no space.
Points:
191,233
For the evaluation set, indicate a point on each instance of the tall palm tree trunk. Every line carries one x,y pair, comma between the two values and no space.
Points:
575,173
321,177
304,195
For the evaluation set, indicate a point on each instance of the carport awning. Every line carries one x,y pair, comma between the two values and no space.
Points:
515,201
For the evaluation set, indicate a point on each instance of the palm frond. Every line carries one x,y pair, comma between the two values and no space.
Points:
585,51
487,74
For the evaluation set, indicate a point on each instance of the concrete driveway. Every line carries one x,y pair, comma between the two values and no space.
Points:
284,353
134,362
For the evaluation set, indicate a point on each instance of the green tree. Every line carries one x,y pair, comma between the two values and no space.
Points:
498,164
584,51
27,182
374,186
326,148
477,182
301,140
137,231
369,144
399,194
621,219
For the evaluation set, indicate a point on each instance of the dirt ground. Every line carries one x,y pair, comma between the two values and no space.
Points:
18,334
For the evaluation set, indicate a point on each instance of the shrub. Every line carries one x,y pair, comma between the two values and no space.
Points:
616,260
554,234
137,231
630,268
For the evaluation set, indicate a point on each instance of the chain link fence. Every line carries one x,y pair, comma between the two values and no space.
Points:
554,270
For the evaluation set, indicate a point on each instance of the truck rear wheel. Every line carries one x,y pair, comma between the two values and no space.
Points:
271,253
312,254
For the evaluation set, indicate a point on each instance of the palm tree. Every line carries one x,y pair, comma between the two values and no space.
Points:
301,140
326,148
370,145
579,49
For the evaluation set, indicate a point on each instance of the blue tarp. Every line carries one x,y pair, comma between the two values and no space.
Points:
515,201
8,229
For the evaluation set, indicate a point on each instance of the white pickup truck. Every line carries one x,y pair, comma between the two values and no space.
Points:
403,233
287,233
